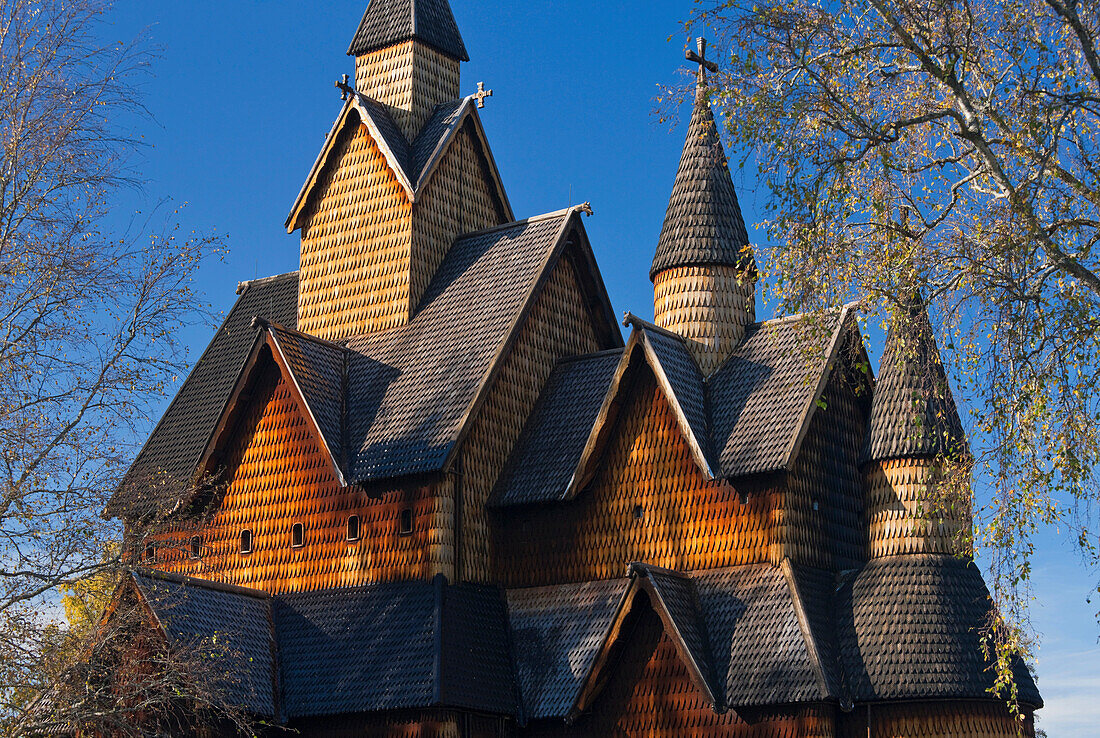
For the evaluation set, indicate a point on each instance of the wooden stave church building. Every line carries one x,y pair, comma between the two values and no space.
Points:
427,490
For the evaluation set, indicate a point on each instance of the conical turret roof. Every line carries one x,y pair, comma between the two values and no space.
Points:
703,223
913,412
389,22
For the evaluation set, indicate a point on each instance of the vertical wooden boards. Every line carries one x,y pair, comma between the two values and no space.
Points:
957,719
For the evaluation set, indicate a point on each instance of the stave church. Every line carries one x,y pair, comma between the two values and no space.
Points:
426,487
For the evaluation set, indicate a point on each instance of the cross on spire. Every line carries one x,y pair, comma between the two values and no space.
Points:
481,94
700,58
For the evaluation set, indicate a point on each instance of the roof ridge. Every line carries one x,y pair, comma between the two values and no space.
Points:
590,355
202,583
630,319
265,323
517,223
244,285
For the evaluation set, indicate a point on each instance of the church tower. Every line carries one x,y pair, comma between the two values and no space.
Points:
704,273
407,55
916,458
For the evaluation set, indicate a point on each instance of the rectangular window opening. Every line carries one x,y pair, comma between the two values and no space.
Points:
353,528
246,541
196,547
405,526
298,536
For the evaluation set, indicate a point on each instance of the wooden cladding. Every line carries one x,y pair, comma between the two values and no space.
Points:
708,305
277,476
356,244
910,510
957,719
687,521
410,79
558,325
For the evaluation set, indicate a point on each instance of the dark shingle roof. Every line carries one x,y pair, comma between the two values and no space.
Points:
549,449
557,632
412,387
913,412
394,646
318,369
436,132
193,612
760,396
703,224
170,456
909,628
760,653
389,22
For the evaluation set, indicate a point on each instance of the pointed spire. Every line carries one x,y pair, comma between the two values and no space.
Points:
389,22
913,412
703,223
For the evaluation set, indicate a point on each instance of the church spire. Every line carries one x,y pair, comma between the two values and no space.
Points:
916,460
407,55
703,272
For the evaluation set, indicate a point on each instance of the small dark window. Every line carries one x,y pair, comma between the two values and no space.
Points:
744,497
639,512
406,523
353,528
246,541
196,547
150,553
298,535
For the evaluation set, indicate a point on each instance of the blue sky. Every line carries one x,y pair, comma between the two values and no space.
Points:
242,97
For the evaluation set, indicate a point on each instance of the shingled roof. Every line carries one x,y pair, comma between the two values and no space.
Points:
412,163
749,417
913,412
703,223
170,457
389,22
910,626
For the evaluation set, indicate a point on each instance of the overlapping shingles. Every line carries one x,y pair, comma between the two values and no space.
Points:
685,380
394,646
550,447
557,632
194,613
703,223
761,394
317,368
410,388
912,411
165,466
909,628
760,653
437,130
388,22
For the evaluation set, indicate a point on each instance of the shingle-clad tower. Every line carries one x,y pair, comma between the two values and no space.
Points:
704,273
913,433
407,55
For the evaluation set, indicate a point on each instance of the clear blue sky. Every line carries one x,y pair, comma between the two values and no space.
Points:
242,96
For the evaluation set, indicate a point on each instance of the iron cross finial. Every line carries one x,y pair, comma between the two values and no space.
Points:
481,94
345,88
700,58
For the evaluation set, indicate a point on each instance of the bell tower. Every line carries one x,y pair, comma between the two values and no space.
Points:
407,55
704,273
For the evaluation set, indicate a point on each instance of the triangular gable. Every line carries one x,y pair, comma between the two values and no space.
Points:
412,164
313,370
672,596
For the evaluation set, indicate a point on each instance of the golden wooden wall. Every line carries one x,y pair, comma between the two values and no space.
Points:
708,305
956,719
409,78
355,244
558,325
400,724
650,694
908,514
687,522
457,199
277,476
826,472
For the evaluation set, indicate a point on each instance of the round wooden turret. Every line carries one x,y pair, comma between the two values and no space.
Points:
704,274
916,462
